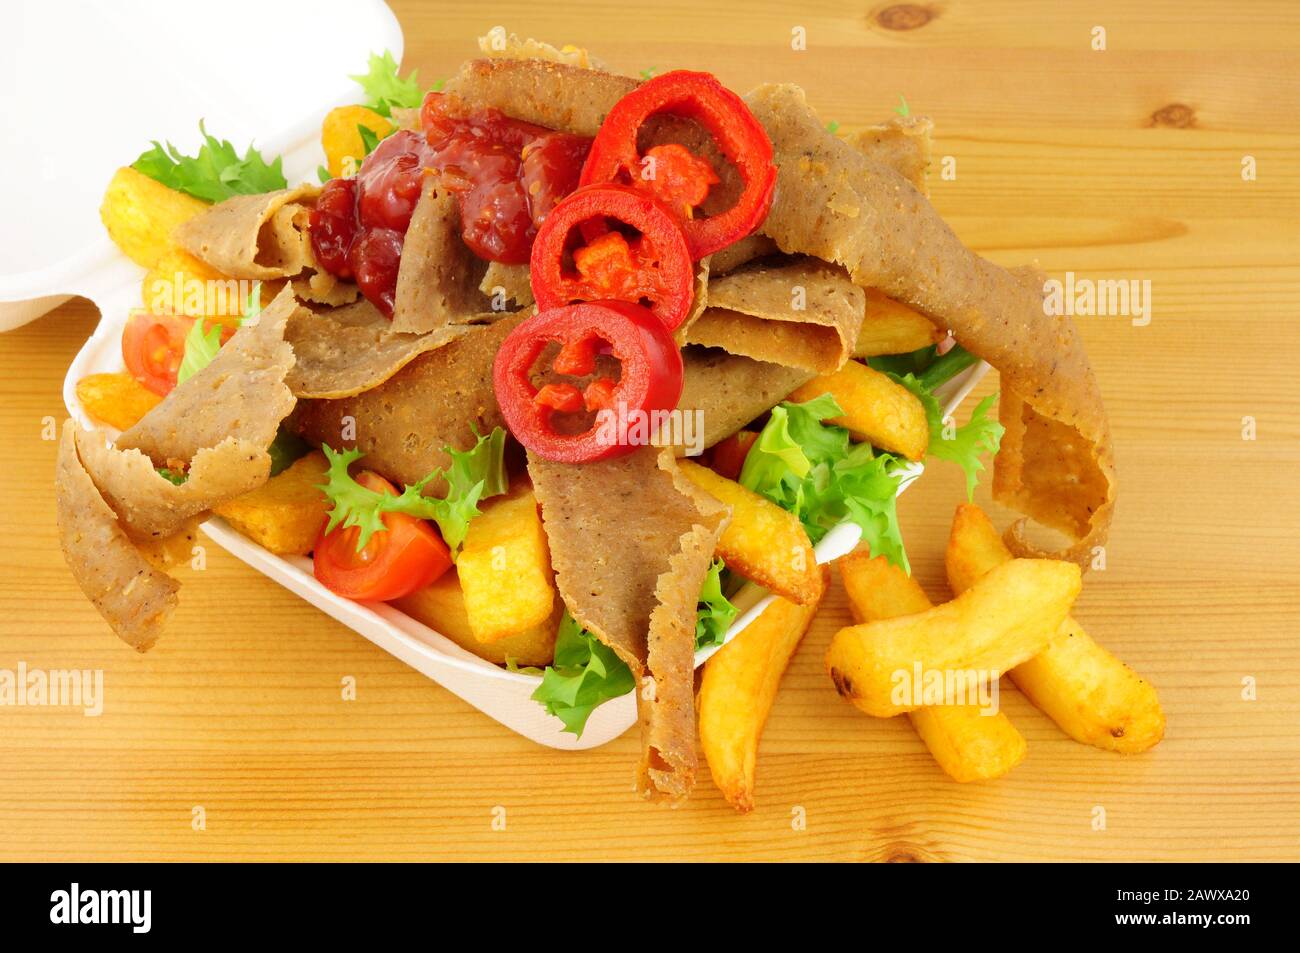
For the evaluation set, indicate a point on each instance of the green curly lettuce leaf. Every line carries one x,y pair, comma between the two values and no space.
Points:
930,367
474,475
385,88
285,449
369,139
584,675
215,174
202,344
814,471
714,612
962,445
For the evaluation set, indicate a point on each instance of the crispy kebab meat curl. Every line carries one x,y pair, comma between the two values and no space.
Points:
834,202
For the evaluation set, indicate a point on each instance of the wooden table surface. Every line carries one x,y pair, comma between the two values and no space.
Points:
1122,163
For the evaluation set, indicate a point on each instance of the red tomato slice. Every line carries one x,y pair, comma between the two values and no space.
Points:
407,556
729,454
153,346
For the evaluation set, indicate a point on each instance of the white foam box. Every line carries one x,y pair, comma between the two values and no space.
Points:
124,101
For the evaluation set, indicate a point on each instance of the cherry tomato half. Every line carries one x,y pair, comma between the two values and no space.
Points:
153,346
407,556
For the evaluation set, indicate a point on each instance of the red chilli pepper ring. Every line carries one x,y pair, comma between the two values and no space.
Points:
614,156
651,378
654,267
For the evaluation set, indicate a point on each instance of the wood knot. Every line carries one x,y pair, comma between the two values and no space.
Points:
1174,116
903,855
904,16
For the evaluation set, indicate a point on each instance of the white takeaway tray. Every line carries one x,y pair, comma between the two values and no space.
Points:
498,693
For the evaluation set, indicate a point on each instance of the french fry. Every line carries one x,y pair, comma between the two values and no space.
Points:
179,283
285,514
341,140
505,568
1007,617
118,400
763,542
441,606
876,409
737,690
967,743
140,214
891,327
1093,696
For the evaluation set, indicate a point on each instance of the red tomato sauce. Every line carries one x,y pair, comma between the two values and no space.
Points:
507,176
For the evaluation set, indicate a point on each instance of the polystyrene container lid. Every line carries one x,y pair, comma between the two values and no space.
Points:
85,87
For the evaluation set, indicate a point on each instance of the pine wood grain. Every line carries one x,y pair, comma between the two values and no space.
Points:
1059,158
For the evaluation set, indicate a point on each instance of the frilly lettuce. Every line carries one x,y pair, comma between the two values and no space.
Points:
215,174
714,612
385,88
811,468
474,475
960,445
585,674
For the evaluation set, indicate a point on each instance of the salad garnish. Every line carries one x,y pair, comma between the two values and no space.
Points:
474,475
962,445
922,372
585,674
202,344
813,470
216,173
715,613
385,88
